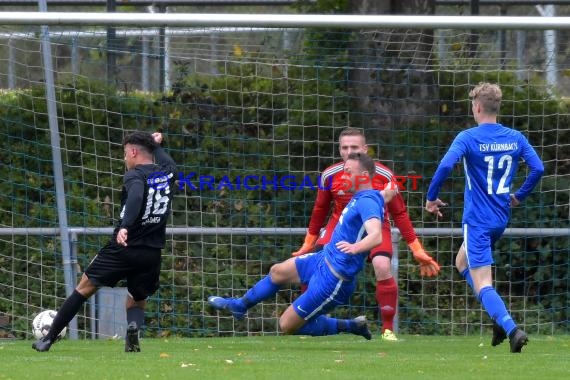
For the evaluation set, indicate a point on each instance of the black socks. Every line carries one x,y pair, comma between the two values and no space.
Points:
65,314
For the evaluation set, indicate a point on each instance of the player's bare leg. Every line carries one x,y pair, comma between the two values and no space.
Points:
290,322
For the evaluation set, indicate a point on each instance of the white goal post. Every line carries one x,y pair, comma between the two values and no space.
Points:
285,20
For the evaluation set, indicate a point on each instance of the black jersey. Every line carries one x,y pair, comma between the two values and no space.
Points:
146,201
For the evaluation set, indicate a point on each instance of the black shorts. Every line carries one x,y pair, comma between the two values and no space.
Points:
140,266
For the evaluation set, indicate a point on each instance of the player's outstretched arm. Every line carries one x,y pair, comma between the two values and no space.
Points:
514,201
389,191
308,245
318,215
373,239
157,136
433,207
397,208
428,266
161,157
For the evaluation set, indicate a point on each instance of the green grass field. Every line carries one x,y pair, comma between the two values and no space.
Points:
290,357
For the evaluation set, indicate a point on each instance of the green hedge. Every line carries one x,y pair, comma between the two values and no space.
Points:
211,130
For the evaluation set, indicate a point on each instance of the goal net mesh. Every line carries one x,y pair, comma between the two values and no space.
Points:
269,104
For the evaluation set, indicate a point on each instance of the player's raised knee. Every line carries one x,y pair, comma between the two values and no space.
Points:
284,272
286,327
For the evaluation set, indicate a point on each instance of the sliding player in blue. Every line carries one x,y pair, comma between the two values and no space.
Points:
330,273
491,153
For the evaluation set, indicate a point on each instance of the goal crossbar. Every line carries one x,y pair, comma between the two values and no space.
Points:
285,20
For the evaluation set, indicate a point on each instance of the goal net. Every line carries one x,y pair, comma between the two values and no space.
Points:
269,103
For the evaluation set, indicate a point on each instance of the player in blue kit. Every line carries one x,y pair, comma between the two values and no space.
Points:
330,273
491,153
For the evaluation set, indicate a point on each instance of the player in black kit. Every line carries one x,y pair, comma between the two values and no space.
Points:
134,252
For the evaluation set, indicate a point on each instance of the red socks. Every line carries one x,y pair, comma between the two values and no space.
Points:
387,298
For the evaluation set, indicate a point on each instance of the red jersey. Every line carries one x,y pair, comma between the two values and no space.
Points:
333,190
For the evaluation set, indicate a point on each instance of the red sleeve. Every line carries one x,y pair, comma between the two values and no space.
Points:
398,211
396,207
320,211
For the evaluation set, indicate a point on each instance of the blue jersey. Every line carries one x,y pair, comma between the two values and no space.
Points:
364,205
491,155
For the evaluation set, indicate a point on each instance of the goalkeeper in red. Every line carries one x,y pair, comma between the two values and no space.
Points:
331,193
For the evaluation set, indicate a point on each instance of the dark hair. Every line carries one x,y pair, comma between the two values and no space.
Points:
365,161
143,140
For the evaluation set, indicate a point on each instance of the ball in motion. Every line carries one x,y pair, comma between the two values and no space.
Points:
42,324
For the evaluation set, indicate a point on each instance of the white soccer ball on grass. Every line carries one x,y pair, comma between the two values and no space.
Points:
42,324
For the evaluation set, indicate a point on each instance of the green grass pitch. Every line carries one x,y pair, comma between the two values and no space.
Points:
290,357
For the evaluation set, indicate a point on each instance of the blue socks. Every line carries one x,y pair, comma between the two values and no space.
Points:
496,309
321,326
493,304
264,289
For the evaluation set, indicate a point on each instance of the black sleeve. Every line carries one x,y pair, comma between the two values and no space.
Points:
134,202
164,160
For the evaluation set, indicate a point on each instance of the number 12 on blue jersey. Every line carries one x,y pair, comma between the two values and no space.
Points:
505,164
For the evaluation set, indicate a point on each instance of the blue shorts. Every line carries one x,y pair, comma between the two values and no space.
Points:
479,242
325,291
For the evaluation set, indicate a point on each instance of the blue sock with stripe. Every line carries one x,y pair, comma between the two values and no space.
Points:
264,289
320,326
496,309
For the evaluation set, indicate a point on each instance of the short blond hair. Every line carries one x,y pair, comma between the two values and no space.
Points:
488,96
351,132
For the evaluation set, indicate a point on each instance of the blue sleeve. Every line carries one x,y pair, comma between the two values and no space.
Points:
370,208
536,170
454,154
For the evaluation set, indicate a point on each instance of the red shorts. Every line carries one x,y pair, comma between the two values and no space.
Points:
384,249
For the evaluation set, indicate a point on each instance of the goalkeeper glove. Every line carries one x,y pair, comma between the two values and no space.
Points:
307,246
428,266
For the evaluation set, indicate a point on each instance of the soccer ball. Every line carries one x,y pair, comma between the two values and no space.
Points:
42,324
